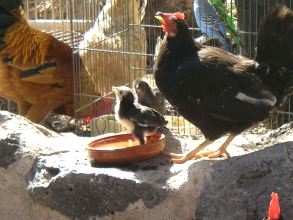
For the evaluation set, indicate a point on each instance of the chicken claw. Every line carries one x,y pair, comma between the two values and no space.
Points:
181,158
172,155
213,154
220,152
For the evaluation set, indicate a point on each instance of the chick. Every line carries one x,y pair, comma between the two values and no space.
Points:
142,121
148,97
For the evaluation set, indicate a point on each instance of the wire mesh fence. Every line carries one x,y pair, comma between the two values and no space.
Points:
120,47
118,41
247,15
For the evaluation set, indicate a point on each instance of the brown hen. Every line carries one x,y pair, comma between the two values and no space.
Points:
36,70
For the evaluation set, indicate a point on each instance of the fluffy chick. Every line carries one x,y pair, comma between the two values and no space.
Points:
149,97
142,121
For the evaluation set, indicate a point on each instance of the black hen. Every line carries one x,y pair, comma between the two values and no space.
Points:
140,120
216,91
149,97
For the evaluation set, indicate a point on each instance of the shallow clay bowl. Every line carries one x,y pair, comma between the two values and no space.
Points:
121,148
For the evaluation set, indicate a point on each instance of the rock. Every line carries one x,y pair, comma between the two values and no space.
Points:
60,123
239,188
46,175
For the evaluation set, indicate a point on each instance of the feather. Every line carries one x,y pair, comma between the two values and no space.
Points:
227,21
43,74
209,21
37,69
22,48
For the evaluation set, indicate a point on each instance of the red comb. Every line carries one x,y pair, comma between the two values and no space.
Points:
274,208
179,15
169,16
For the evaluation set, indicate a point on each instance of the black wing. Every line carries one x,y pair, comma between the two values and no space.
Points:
211,86
146,117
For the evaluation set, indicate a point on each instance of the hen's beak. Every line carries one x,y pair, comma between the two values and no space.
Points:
115,90
159,16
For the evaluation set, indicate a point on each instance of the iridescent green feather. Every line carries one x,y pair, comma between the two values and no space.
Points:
226,20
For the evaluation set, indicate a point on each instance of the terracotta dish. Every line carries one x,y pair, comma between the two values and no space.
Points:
121,148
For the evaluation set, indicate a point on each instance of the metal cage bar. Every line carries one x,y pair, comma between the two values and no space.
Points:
117,42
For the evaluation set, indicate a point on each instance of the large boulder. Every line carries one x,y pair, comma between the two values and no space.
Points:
45,175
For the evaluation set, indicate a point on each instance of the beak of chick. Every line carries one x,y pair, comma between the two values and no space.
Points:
138,88
115,90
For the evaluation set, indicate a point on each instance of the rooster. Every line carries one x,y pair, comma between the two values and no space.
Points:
36,69
217,91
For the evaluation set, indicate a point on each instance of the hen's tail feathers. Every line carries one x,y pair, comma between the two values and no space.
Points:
275,52
275,36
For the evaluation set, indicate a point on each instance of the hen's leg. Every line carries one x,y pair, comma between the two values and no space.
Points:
221,151
181,158
38,112
23,108
37,115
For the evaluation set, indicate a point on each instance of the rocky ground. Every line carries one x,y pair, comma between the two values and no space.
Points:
46,175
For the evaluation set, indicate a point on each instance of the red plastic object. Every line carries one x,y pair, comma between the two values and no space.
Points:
86,120
274,208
